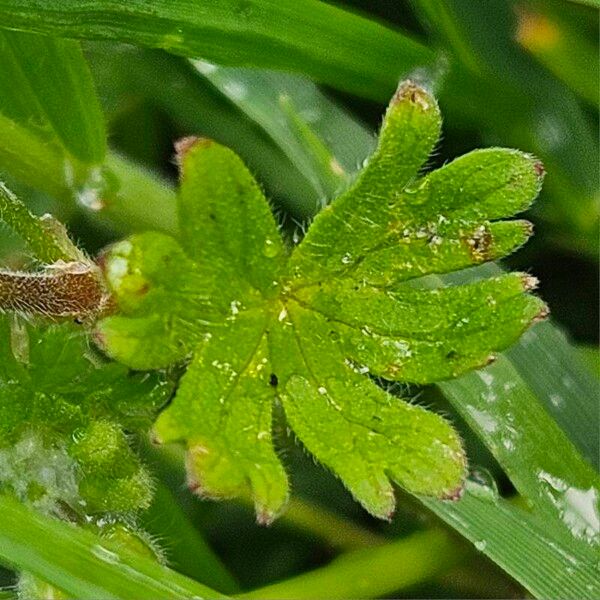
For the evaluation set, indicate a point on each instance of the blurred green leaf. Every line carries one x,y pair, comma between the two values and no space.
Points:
51,124
316,135
53,138
129,76
315,38
273,120
83,565
561,46
594,3
62,109
372,572
57,393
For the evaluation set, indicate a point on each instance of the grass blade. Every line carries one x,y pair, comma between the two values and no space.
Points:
59,102
186,549
273,120
553,370
315,38
315,134
373,572
81,564
511,537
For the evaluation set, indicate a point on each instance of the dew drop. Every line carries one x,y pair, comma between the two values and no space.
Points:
270,249
99,187
481,484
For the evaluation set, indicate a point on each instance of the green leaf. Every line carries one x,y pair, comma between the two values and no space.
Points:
44,236
554,478
261,327
228,429
373,572
62,109
51,123
557,42
315,134
494,87
64,409
508,535
552,368
82,564
329,44
423,336
53,136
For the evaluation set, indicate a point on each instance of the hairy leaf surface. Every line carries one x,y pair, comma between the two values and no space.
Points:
262,325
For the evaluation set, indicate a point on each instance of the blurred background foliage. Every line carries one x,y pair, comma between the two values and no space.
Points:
520,73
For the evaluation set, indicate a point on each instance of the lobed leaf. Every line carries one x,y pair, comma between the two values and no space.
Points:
363,434
224,219
259,326
425,335
353,224
224,412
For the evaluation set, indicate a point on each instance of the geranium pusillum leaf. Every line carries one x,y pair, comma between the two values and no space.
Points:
261,325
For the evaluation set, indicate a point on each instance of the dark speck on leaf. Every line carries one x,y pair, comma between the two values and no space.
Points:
273,380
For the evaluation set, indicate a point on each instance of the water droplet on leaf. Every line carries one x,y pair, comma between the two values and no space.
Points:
270,249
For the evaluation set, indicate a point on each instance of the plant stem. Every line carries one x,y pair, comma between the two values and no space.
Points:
320,522
373,572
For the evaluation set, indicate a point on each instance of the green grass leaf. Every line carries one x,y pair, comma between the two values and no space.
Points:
54,140
554,478
509,536
313,133
261,330
51,123
315,38
61,109
82,564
